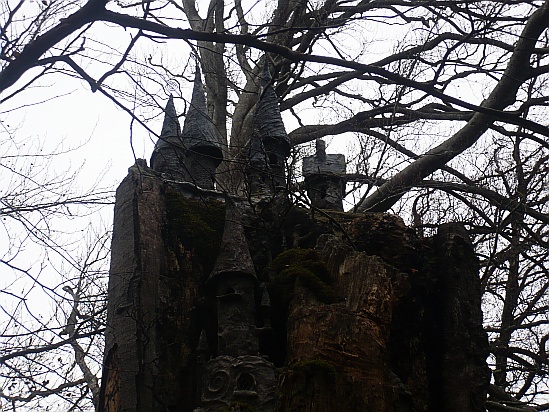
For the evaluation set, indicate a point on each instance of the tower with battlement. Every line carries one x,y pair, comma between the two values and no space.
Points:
324,178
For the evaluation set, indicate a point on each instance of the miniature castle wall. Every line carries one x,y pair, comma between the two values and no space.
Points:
218,304
359,319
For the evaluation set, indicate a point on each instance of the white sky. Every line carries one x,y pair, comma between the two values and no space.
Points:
80,116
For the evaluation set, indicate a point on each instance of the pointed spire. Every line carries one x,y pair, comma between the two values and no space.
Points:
203,346
171,130
267,119
202,349
234,256
199,133
171,126
168,155
265,299
265,78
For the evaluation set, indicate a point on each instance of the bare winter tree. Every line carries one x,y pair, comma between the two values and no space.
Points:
52,335
444,104
53,277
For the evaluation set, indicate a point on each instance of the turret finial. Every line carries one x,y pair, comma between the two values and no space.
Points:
170,126
199,133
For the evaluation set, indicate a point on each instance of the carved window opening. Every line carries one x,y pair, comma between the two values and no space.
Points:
323,192
245,382
273,159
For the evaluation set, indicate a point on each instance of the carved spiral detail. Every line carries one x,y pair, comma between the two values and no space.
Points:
218,384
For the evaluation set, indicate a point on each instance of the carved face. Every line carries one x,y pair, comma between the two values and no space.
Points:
248,379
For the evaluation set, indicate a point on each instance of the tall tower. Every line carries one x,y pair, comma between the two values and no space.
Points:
157,269
270,145
201,139
324,179
238,375
234,280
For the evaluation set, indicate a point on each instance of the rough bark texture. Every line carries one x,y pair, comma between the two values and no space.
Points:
458,345
155,276
352,312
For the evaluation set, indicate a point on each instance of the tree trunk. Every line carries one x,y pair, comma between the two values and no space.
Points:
353,312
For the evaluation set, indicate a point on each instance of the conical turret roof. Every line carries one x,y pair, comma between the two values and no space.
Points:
234,256
199,133
169,151
267,119
257,152
171,130
203,343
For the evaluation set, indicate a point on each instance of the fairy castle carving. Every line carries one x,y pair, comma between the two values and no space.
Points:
194,153
221,303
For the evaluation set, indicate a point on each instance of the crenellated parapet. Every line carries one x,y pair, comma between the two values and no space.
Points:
324,178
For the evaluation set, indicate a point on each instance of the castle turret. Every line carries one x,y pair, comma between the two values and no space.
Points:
324,179
201,139
234,280
238,375
169,152
270,145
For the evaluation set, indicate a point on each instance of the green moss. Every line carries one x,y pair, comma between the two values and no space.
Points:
304,264
197,225
313,367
